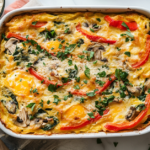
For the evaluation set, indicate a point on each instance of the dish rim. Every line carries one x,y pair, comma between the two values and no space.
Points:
103,9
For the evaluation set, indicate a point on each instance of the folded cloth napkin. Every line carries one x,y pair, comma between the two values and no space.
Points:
21,3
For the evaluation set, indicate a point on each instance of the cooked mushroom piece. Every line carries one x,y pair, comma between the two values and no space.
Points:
22,120
37,123
11,107
117,100
131,114
136,91
11,45
128,66
97,49
85,24
147,84
95,27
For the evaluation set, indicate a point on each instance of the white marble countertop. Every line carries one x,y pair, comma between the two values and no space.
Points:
124,143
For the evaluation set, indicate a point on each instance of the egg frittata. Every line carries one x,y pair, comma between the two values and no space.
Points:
81,72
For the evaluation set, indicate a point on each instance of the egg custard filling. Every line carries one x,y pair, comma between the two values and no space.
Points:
81,72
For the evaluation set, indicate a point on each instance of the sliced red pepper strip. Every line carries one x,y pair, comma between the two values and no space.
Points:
100,89
19,37
97,117
93,37
11,34
107,83
118,24
78,92
45,81
38,24
146,56
113,127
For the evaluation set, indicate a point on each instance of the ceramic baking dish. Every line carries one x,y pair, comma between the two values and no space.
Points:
103,9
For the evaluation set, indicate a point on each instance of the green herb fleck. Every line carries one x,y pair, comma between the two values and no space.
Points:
60,46
34,22
52,87
82,100
31,105
91,115
41,103
127,53
77,87
95,62
118,48
48,102
66,31
98,19
92,30
91,94
85,81
56,99
87,72
125,25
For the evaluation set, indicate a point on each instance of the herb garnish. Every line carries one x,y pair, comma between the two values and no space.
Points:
127,53
87,72
41,103
52,87
48,102
70,62
91,115
91,29
34,22
56,99
91,94
98,19
77,87
31,105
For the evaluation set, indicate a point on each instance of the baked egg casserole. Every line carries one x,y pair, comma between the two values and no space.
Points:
81,72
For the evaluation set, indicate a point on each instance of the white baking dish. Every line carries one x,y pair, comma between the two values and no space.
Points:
104,9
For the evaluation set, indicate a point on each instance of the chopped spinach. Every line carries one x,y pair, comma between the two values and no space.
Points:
50,126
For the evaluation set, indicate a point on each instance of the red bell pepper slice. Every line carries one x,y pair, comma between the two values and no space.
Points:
93,37
78,92
100,89
113,127
38,24
97,117
107,83
146,56
45,81
11,34
118,24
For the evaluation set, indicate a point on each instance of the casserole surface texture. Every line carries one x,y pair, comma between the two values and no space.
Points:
75,72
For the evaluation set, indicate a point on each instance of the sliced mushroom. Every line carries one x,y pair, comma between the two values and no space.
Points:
11,45
37,123
97,49
11,107
117,100
136,91
131,114
85,24
128,66
147,84
95,27
22,119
